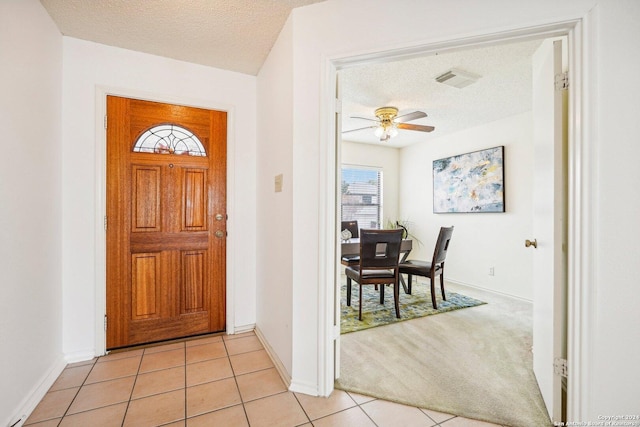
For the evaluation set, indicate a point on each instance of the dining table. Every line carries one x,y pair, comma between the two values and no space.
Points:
351,251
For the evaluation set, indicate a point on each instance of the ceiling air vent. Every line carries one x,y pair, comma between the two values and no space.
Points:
457,78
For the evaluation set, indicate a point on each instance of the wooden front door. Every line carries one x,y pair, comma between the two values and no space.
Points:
166,221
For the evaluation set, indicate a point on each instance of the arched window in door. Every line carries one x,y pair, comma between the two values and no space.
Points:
169,139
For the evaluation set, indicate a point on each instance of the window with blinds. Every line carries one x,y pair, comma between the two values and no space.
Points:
361,196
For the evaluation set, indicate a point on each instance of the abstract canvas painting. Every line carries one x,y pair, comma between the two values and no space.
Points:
471,182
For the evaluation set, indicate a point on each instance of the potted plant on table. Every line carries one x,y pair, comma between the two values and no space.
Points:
405,226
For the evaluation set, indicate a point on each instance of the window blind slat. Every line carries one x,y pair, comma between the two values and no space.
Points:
361,196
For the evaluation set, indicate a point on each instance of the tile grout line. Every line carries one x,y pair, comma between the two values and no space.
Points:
186,402
295,396
373,399
243,403
135,380
365,412
356,405
235,379
77,392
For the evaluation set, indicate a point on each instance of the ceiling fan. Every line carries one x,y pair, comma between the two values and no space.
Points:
388,123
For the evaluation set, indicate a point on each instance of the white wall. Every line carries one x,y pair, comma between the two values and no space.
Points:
615,315
30,205
385,158
480,240
89,65
335,29
275,210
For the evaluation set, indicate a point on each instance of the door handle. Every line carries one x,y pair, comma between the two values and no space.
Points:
219,234
528,243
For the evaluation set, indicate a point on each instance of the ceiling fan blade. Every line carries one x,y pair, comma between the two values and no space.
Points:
355,130
420,128
410,116
364,118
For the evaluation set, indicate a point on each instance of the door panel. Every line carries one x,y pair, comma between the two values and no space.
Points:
146,198
165,263
194,197
193,286
144,285
549,224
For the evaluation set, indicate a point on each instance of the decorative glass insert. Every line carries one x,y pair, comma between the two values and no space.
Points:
169,139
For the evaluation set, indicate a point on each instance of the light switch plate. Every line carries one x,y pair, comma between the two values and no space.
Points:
278,183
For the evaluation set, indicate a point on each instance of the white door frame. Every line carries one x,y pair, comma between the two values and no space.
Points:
101,200
580,157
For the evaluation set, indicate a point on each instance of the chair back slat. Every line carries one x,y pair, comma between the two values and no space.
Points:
442,245
380,248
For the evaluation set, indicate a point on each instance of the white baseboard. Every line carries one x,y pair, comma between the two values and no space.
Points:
286,378
295,386
79,356
310,389
29,403
457,282
242,329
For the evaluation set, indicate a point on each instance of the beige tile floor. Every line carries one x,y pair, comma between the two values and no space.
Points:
226,380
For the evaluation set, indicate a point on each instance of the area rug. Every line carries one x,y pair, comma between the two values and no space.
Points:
374,314
475,363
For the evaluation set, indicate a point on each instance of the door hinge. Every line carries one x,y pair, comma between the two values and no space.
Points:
560,367
105,121
338,106
105,223
562,81
105,322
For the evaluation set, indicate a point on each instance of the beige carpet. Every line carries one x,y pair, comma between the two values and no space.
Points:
475,362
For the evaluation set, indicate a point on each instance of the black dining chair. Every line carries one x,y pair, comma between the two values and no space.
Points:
430,269
379,264
352,226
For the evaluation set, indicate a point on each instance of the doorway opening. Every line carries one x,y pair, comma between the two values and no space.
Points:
375,59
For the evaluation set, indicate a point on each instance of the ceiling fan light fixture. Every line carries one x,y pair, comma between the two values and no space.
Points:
386,131
393,130
387,128
457,78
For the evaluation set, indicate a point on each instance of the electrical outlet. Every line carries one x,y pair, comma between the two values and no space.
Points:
491,271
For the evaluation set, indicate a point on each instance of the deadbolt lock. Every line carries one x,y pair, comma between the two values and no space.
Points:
219,217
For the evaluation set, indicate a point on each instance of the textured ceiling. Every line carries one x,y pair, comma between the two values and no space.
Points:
504,89
237,35
234,35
